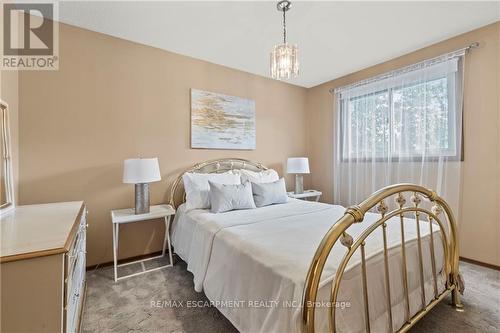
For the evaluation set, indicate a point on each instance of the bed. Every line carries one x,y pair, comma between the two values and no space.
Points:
307,266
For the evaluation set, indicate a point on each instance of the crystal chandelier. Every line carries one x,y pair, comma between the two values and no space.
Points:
284,58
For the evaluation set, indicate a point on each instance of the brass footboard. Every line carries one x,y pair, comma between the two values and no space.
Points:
355,214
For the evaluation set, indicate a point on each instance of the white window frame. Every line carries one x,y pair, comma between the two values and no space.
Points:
451,70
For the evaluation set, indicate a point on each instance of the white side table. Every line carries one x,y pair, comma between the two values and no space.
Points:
307,194
128,215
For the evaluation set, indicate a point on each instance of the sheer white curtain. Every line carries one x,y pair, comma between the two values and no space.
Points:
403,126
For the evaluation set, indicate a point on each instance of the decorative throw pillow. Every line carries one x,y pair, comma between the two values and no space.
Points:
266,194
266,176
197,188
224,198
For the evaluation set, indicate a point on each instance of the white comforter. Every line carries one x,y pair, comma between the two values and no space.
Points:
252,264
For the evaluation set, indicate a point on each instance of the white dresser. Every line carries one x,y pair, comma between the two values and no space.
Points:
43,249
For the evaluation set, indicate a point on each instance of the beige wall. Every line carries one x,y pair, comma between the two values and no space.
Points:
480,222
112,99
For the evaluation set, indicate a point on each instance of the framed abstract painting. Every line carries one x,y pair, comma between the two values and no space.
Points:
221,121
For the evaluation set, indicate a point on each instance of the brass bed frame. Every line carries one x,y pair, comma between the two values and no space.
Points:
339,233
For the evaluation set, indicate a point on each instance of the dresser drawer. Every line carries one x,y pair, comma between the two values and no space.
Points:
79,243
76,272
75,276
75,293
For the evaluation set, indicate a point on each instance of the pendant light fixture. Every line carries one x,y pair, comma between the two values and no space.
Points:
284,57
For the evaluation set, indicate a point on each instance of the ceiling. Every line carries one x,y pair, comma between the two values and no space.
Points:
334,38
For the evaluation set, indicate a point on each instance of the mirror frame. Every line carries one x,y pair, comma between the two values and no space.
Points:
6,159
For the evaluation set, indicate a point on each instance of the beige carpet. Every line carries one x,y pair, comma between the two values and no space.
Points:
126,306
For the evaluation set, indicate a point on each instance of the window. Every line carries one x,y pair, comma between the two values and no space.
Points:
409,116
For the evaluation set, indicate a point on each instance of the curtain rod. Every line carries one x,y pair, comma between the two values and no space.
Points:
387,74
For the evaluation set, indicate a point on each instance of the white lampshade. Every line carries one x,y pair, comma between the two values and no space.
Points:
297,165
141,170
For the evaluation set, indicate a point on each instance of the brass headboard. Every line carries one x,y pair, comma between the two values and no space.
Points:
177,195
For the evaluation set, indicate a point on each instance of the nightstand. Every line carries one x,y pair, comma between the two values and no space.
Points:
122,216
306,195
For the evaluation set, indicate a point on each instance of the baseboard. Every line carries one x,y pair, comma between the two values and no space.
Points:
123,261
480,263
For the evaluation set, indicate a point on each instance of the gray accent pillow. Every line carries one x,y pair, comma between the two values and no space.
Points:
225,197
265,194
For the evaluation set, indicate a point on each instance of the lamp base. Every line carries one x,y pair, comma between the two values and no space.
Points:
142,198
299,184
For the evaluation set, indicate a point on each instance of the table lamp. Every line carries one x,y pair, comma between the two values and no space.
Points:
298,166
141,172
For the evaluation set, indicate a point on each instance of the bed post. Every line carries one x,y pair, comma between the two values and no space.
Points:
456,278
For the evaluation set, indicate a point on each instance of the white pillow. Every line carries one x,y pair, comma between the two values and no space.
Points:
265,176
266,194
197,188
224,198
